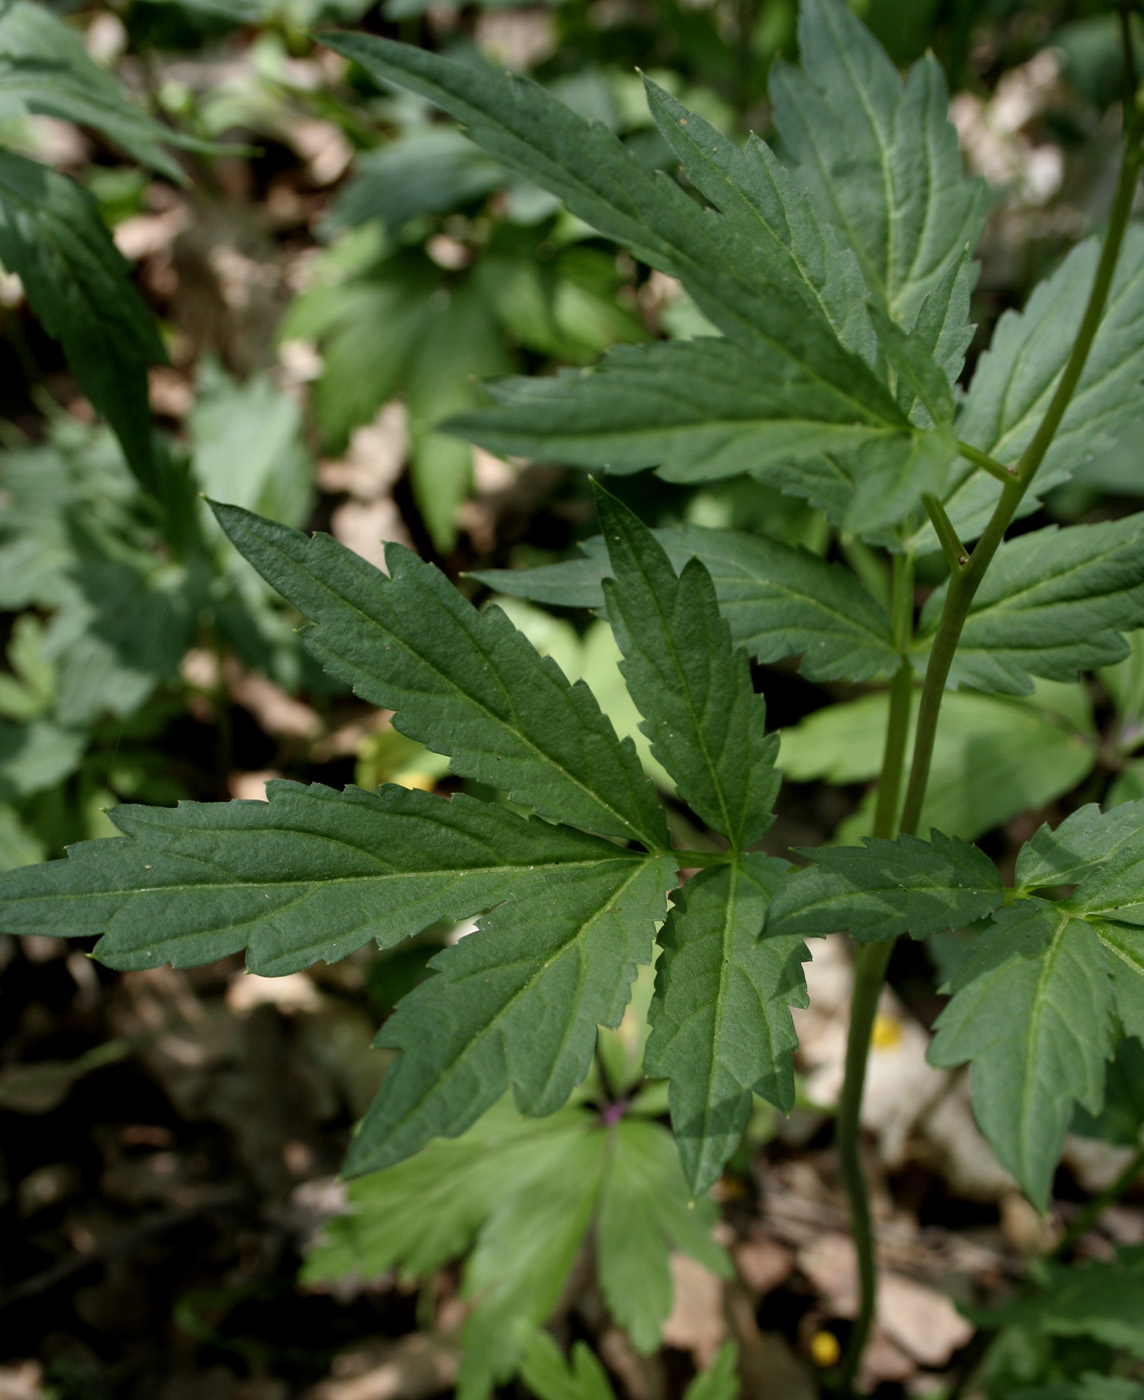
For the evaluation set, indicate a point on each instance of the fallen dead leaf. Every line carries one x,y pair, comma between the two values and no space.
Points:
21,1380
697,1323
411,1369
762,1262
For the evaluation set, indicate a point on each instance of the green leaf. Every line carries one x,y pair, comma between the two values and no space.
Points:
757,195
1054,603
644,1210
544,1372
462,683
943,324
1084,841
249,446
923,389
721,1027
311,874
701,712
52,236
36,756
707,408
1017,376
879,159
45,68
720,1381
460,340
520,1004
994,757
427,170
884,888
778,324
525,1192
778,600
1114,889
1124,948
1122,1116
1032,1012
1102,1299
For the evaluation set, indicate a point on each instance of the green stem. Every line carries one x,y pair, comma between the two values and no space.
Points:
953,549
986,463
1094,1209
870,965
964,583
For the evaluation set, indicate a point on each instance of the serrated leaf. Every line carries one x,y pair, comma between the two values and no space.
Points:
1016,377
1115,888
1054,603
52,236
942,324
1122,1114
1124,946
754,192
1085,840
880,159
462,683
778,600
923,389
696,410
44,68
701,712
518,1002
720,1019
1032,1012
644,1211
885,888
1102,1298
779,325
310,875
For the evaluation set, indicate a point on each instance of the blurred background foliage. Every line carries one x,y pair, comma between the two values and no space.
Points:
327,270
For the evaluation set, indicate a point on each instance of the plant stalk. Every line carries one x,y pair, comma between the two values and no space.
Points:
963,584
870,965
873,959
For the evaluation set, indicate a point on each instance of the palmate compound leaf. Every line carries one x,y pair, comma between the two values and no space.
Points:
879,158
520,1004
783,389
526,1193
885,888
1032,1011
52,236
694,689
777,599
1016,377
463,683
1054,604
311,874
720,1019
